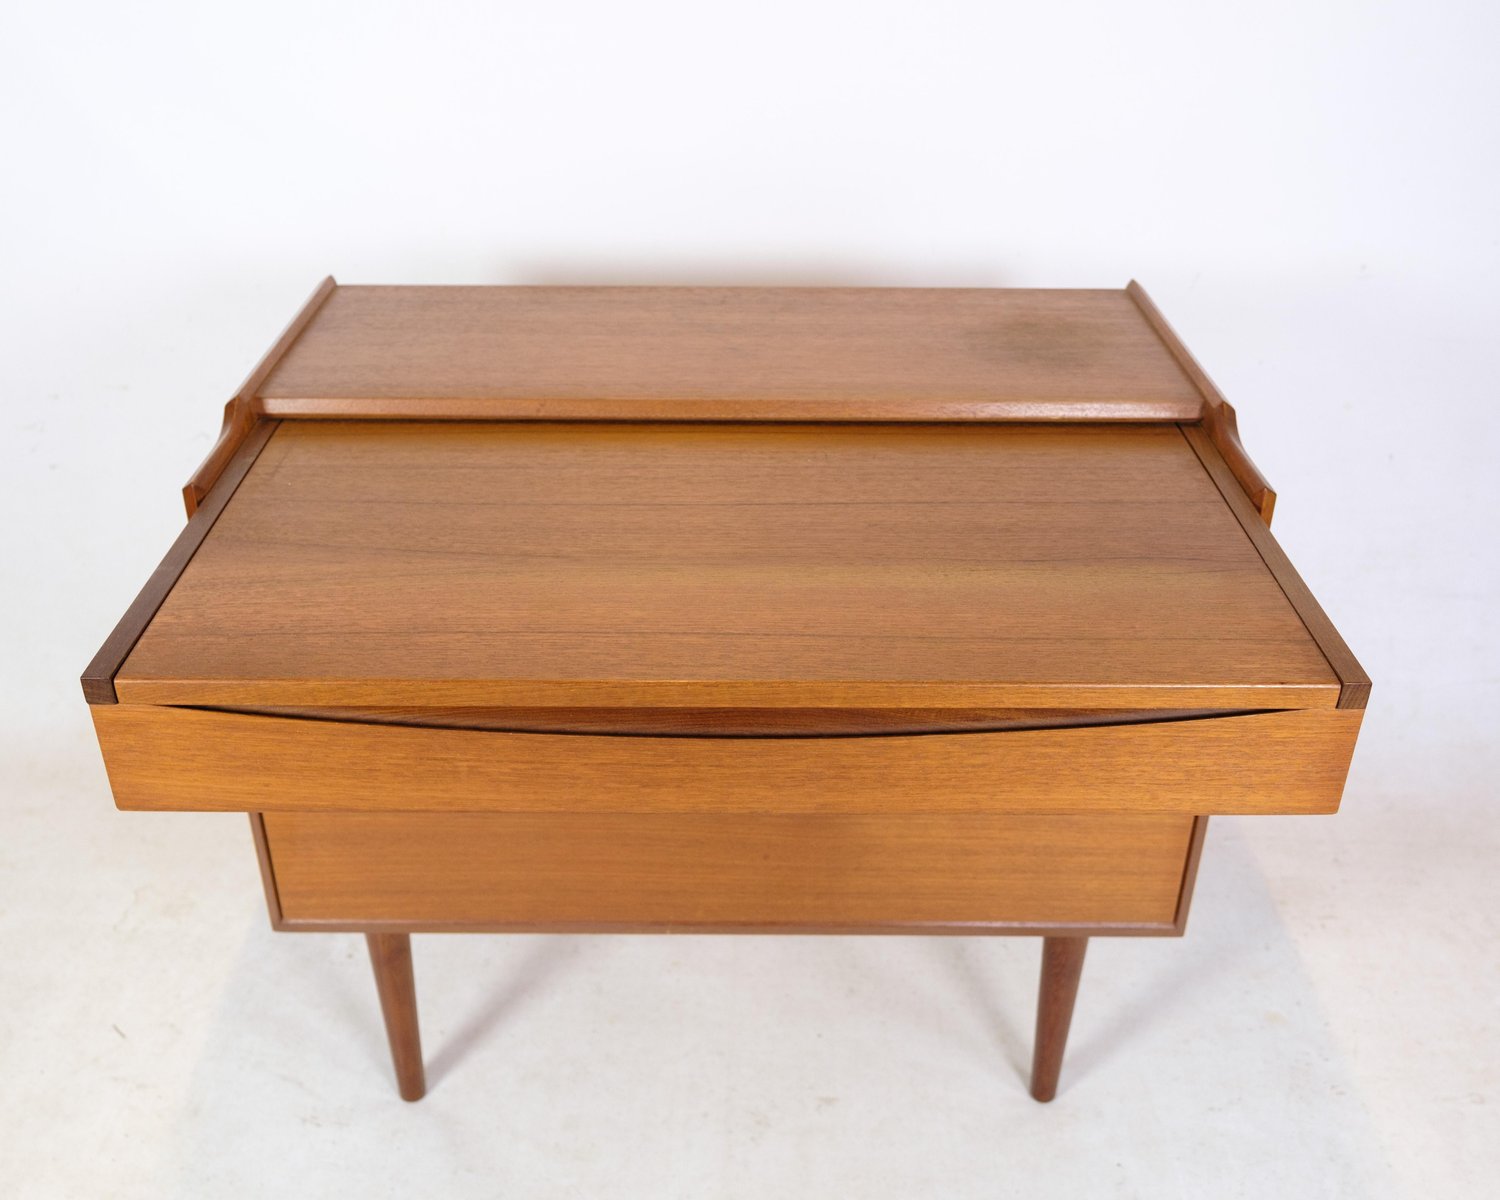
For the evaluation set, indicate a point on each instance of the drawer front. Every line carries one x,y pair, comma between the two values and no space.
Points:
676,871
179,758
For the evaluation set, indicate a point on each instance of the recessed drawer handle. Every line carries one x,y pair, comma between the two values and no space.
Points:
778,727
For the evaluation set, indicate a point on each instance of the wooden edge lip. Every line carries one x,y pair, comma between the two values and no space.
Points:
1190,873
1217,415
895,929
98,678
241,412
1354,684
246,696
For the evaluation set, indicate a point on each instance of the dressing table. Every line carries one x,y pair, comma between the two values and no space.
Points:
605,610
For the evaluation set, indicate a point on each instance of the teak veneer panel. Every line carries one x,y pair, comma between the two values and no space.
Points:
194,759
673,353
394,563
693,871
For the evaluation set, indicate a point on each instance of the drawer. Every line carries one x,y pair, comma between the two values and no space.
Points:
161,757
691,871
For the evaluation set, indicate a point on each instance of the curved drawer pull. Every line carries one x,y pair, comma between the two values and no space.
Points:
737,723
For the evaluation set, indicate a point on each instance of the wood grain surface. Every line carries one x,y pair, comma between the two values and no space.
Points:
192,759
386,563
899,354
685,871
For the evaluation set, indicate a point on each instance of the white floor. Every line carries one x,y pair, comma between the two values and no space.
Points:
1327,1028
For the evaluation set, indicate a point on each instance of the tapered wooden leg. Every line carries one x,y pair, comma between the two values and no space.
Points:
390,955
1062,963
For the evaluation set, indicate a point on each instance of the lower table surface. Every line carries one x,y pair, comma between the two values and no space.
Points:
430,564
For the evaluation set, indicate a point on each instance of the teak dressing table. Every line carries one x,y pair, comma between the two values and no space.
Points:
779,610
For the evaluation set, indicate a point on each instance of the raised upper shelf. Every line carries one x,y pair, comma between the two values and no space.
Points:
763,354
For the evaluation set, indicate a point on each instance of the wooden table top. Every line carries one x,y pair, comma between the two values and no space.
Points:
458,563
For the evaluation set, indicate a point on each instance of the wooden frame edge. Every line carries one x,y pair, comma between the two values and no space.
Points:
98,678
267,870
1354,684
243,410
1218,415
1190,873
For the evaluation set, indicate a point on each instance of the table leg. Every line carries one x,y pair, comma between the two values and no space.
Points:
390,955
1062,963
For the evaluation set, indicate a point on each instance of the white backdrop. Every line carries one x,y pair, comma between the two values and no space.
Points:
1311,192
